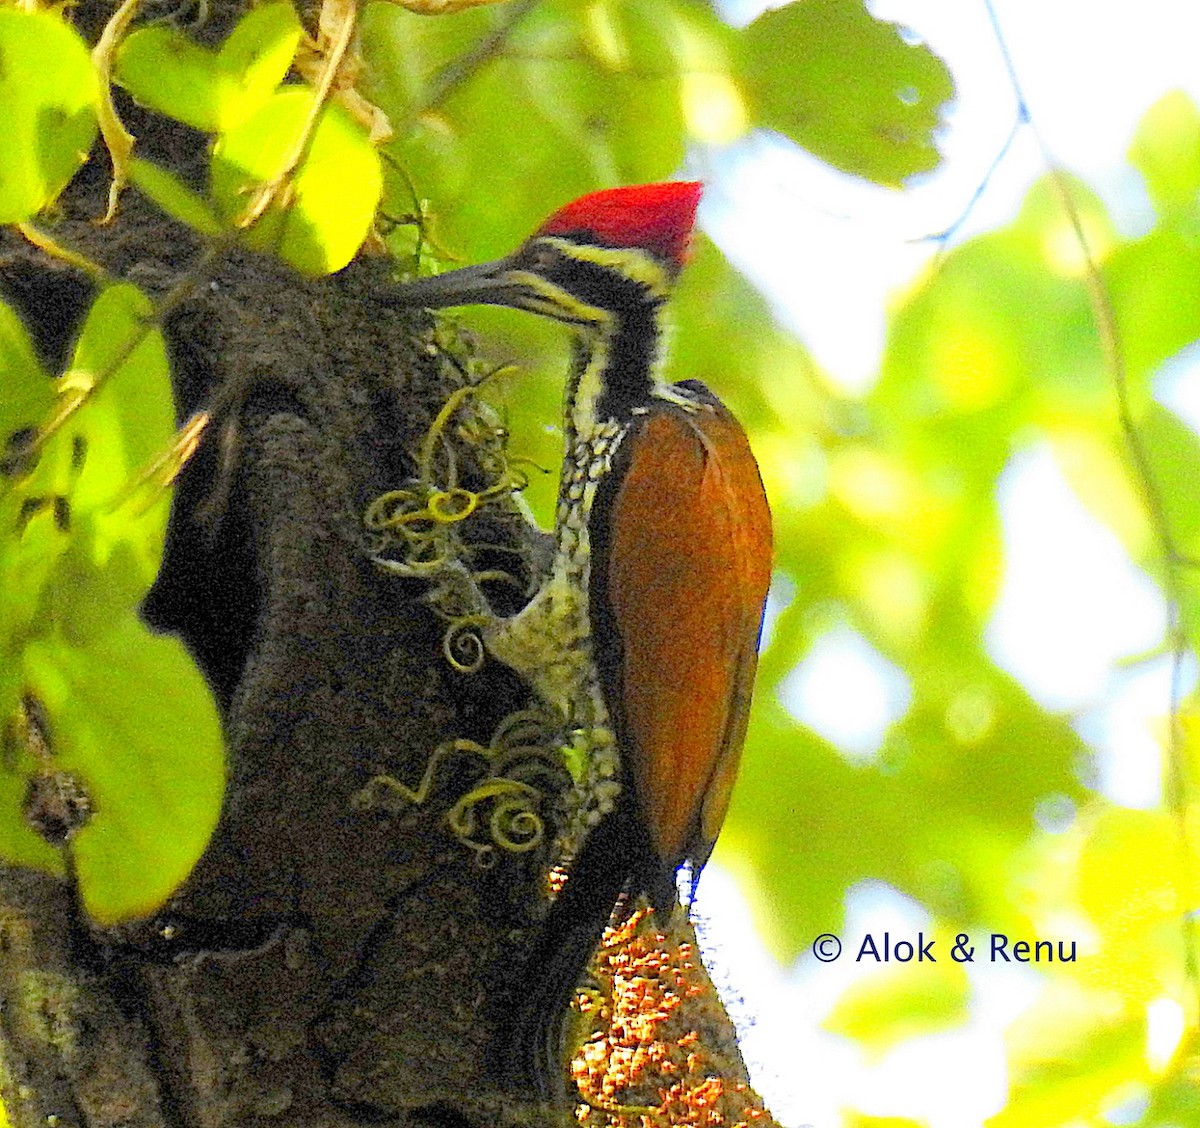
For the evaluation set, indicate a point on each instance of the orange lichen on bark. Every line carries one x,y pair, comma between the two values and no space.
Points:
645,1064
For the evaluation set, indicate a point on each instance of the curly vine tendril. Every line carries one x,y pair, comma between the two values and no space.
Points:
417,531
463,646
417,522
501,811
514,824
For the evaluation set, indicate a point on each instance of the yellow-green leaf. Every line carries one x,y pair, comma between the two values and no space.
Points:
134,720
174,197
883,1009
1173,452
165,69
1133,883
319,223
118,431
258,54
1166,151
25,390
49,92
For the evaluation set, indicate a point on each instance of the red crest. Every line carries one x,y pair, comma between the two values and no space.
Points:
655,217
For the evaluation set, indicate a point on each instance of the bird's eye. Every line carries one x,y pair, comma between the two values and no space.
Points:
543,259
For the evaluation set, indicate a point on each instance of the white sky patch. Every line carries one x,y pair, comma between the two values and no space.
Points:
825,279
1128,730
1071,603
776,1016
954,1079
846,691
1177,385
1166,1025
779,597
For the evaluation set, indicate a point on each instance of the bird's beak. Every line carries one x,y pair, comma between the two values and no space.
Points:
488,283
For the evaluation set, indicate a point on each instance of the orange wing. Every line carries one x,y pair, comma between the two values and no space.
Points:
689,562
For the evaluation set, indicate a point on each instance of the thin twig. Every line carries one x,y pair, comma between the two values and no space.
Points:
46,243
1173,559
117,139
277,185
948,232
464,67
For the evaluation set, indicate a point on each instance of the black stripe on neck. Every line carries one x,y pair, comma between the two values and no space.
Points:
636,331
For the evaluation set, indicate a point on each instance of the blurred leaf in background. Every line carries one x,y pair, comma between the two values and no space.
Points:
505,112
888,519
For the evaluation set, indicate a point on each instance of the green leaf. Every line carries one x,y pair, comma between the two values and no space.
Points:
29,539
26,392
69,504
120,430
49,92
847,87
258,53
885,1008
1173,451
174,197
1153,284
333,196
31,542
600,86
166,70
133,719
1166,151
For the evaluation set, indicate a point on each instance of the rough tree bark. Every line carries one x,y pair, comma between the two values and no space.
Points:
324,965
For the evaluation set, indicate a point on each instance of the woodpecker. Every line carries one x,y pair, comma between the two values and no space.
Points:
644,634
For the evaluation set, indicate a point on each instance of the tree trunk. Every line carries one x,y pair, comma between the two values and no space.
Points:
330,961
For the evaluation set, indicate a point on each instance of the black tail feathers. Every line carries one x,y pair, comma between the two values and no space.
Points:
533,1049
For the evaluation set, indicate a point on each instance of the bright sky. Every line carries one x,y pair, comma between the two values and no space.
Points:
828,252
